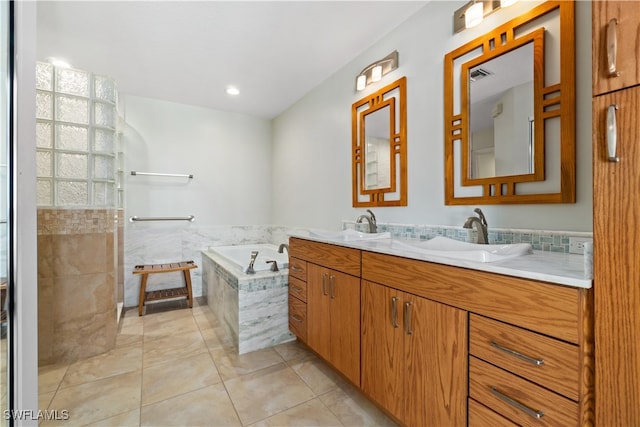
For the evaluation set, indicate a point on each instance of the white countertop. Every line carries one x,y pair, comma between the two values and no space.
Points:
553,267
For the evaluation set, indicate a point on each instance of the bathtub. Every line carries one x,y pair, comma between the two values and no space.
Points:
253,308
241,256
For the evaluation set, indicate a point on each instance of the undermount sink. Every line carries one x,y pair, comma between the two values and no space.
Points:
348,235
450,248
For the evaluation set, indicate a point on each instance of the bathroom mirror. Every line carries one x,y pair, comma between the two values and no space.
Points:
379,154
510,112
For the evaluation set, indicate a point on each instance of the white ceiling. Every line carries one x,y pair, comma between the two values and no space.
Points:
189,51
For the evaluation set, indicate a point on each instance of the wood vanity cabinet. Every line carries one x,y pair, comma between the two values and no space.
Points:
508,318
333,303
414,357
616,222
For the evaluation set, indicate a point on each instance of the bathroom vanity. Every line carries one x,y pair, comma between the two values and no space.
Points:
439,344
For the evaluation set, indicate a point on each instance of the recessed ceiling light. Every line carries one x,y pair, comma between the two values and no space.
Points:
232,90
57,62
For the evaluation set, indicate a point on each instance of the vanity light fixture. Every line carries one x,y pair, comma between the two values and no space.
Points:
472,13
375,71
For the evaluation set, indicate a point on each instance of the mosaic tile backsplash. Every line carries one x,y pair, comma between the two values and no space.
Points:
541,240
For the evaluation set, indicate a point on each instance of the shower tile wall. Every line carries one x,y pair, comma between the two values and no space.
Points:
77,277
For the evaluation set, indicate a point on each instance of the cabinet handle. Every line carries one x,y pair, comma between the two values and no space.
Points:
612,47
407,317
537,414
332,286
520,356
394,312
612,133
296,269
296,318
324,284
298,290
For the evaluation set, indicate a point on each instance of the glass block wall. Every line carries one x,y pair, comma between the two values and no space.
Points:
77,140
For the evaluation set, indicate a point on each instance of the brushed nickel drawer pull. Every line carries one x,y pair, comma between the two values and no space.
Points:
296,318
324,284
332,286
298,290
394,312
407,317
612,133
535,414
612,47
520,356
296,269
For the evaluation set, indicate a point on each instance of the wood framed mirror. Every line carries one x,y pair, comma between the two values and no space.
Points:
379,147
510,112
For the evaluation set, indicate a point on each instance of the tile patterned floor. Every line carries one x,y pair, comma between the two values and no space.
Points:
176,367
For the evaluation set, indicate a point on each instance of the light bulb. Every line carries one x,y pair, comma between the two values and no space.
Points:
361,82
232,90
507,3
376,73
473,15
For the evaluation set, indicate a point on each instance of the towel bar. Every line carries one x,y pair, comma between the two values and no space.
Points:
189,218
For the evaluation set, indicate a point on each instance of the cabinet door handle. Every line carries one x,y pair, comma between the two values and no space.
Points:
295,289
296,318
407,317
612,47
332,286
537,414
612,133
296,269
394,312
520,356
324,284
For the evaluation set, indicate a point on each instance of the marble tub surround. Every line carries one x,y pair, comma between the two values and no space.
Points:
540,240
77,278
161,242
254,308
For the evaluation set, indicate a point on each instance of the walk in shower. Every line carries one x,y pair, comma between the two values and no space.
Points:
78,194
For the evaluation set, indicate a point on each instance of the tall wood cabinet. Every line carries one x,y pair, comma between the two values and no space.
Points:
616,211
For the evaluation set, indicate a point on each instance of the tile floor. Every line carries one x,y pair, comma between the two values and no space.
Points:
176,367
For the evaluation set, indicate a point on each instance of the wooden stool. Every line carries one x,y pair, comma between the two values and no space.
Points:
147,269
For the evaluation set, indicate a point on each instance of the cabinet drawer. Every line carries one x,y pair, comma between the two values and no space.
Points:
298,288
549,362
480,415
339,258
298,268
298,318
514,397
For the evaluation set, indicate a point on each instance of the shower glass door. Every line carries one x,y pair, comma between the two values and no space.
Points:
6,69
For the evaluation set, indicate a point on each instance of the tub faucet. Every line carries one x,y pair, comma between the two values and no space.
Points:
274,265
282,247
250,270
371,219
480,224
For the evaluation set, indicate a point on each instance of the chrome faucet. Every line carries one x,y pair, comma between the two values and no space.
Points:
480,224
371,219
274,265
250,270
282,247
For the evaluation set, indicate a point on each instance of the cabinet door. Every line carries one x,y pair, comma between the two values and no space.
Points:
382,347
624,19
616,229
344,296
318,305
436,363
